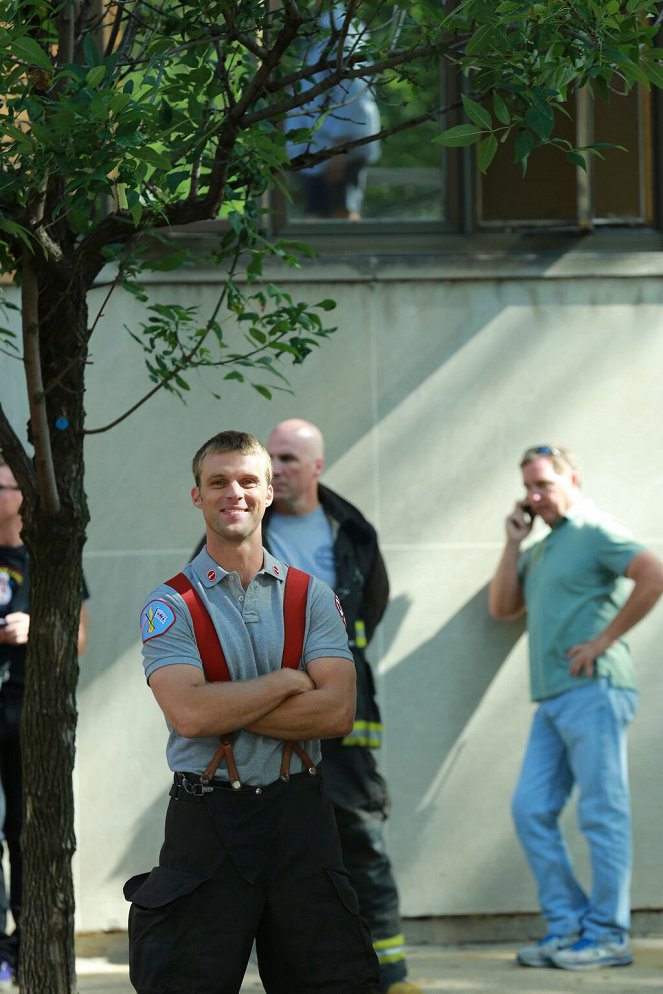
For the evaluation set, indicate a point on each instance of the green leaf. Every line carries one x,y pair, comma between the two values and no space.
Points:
577,159
28,50
12,228
481,39
540,119
487,150
654,72
476,113
633,73
262,390
95,76
91,49
134,206
523,148
154,158
459,136
501,109
17,134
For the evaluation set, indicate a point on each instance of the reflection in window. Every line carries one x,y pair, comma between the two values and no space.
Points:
408,181
400,179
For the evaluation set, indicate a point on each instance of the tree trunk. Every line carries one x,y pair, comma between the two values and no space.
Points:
55,544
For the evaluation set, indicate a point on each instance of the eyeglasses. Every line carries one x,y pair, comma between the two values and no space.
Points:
7,486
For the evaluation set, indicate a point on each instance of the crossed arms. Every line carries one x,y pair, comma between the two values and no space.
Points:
315,703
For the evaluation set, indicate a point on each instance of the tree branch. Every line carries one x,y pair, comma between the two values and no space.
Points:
40,435
66,24
362,71
16,457
307,159
185,361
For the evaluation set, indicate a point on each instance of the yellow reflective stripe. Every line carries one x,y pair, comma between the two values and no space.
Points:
361,740
365,733
390,950
360,634
390,957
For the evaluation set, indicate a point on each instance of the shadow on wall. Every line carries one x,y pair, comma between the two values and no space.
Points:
482,353
447,676
143,839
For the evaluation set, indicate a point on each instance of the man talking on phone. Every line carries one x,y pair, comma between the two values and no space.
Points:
573,585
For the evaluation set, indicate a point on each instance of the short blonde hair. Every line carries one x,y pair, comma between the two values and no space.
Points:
232,441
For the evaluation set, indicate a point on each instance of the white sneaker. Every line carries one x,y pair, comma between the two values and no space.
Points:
541,953
587,954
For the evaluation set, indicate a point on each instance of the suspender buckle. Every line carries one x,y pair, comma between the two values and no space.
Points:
197,789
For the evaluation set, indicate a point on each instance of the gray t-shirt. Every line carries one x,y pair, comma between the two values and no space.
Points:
250,627
306,541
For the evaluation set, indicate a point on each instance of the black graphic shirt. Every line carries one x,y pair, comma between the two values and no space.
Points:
14,596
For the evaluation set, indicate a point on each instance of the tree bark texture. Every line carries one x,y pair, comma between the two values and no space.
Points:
55,544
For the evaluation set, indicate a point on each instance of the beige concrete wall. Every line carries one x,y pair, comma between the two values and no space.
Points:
434,383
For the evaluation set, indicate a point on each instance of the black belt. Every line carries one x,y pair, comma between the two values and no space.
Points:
192,783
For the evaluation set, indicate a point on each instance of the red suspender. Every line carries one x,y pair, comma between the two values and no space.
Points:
209,646
294,616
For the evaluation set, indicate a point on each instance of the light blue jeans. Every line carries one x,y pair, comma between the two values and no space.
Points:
579,738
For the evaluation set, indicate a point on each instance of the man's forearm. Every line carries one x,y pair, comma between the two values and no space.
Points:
322,713
197,709
309,716
505,596
642,599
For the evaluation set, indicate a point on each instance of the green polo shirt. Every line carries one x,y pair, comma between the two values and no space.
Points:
574,585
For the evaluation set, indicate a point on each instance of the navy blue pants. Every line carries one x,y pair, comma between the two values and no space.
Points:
239,866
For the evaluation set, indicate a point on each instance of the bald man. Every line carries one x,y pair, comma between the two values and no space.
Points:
318,531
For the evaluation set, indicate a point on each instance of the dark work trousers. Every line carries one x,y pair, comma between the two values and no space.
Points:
11,814
361,804
258,863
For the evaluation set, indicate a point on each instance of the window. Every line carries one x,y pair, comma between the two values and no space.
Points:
417,182
616,189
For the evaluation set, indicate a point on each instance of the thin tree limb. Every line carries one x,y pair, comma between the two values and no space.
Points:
186,360
15,455
41,438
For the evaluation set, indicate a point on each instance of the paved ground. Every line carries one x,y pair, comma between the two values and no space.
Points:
459,969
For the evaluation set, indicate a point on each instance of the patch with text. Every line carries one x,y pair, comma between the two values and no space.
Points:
156,618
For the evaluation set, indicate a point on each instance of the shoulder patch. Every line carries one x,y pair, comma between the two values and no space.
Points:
340,609
155,619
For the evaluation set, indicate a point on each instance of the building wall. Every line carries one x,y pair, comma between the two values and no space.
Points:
439,376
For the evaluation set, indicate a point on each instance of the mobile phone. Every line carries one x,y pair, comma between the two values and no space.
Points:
527,511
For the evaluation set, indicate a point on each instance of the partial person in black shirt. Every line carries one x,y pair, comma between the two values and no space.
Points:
14,631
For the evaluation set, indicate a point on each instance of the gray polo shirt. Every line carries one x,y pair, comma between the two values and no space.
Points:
249,624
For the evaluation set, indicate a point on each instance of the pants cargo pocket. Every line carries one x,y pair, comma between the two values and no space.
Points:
358,936
344,890
162,928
